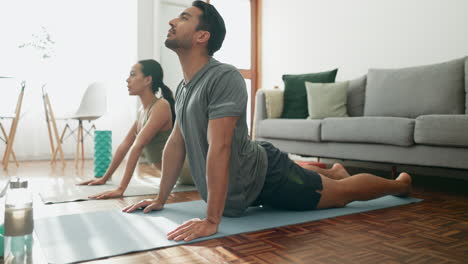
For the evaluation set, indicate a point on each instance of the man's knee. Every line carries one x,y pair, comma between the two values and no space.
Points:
334,194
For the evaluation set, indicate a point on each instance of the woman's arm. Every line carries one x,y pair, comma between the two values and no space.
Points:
160,115
173,160
118,157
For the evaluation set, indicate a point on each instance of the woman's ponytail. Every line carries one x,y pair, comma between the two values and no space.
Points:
169,96
154,69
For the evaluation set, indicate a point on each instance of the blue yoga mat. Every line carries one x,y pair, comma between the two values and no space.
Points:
81,237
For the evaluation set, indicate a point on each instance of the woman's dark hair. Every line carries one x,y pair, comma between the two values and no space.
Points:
153,68
212,22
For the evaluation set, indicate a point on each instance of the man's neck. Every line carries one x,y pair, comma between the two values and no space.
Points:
192,62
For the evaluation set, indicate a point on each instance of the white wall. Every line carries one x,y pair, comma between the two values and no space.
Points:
153,24
306,36
145,29
148,29
169,59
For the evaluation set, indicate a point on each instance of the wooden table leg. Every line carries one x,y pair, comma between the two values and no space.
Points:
61,140
6,140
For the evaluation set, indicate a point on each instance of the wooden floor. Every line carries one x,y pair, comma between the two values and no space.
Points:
433,231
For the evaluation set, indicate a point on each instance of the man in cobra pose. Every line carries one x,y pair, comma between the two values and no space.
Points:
230,171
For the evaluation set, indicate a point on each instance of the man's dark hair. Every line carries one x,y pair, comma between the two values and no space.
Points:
212,22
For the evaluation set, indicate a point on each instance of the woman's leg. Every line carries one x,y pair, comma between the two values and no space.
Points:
361,187
157,165
185,176
337,172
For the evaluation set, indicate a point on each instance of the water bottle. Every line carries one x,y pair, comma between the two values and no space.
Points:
19,223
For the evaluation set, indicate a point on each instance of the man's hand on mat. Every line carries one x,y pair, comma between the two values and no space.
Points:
108,194
148,204
193,229
99,181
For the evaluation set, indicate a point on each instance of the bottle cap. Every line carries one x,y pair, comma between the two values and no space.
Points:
18,183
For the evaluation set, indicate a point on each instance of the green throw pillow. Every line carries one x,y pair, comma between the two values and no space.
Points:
295,95
326,99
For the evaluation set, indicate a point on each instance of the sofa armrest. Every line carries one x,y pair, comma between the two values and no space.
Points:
260,106
260,111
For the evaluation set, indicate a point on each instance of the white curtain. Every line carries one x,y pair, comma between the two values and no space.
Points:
66,45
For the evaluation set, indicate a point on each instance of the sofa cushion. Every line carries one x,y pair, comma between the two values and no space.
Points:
294,129
356,93
295,97
415,91
383,130
445,130
326,99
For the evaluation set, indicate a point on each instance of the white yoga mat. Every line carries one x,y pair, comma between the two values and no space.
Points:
71,192
81,237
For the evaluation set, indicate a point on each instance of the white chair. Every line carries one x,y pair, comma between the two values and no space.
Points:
93,105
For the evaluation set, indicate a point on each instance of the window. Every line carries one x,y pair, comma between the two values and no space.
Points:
241,46
89,41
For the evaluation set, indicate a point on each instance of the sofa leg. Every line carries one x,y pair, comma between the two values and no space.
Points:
393,173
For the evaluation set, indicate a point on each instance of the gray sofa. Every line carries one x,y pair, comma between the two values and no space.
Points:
412,116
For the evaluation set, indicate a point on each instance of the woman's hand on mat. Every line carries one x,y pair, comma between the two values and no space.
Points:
108,194
99,181
193,229
147,204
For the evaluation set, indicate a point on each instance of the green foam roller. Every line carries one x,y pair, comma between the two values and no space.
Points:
102,151
2,232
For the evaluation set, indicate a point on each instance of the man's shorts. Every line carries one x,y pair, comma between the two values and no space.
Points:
287,185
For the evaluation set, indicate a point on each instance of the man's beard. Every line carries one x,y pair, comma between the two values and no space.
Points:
175,44
171,44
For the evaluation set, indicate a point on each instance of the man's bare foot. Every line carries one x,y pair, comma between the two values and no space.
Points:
406,179
339,172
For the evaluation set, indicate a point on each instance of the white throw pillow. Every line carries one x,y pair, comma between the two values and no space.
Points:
326,99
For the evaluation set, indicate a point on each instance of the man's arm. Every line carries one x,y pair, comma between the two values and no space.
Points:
220,133
172,163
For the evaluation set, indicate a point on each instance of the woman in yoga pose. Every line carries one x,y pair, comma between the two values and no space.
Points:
150,132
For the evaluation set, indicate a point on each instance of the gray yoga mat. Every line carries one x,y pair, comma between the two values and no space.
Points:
70,192
81,237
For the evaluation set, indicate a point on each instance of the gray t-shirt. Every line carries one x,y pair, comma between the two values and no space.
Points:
218,90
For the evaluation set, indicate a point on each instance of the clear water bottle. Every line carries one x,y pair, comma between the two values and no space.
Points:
19,223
